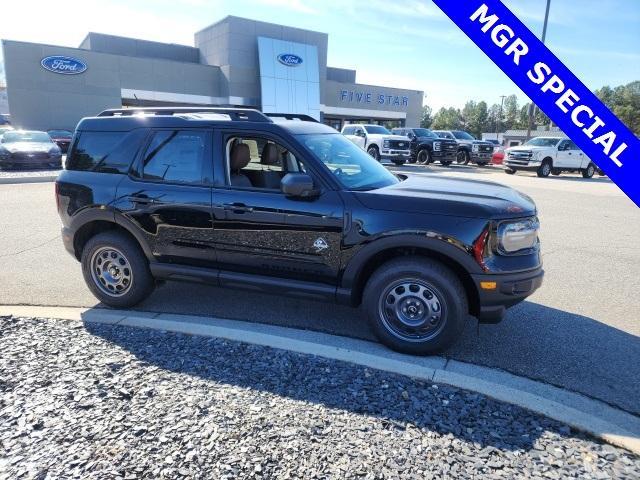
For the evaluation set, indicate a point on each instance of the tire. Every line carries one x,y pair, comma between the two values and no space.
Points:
545,169
129,283
424,157
374,152
463,157
589,171
438,297
509,171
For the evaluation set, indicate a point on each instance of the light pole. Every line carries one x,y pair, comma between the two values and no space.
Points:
499,118
532,107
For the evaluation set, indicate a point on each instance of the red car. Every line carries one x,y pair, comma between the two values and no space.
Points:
62,138
498,155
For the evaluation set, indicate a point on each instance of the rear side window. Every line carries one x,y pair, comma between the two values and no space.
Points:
105,152
175,156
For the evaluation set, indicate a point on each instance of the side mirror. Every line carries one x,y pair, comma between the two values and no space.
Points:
298,185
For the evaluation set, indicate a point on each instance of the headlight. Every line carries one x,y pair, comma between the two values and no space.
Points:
437,146
386,144
475,148
520,235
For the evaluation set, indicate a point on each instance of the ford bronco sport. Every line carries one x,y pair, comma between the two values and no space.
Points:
283,204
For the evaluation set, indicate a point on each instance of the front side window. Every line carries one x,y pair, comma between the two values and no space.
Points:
352,166
175,156
105,152
377,130
349,130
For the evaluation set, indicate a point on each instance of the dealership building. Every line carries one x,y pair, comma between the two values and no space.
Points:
235,62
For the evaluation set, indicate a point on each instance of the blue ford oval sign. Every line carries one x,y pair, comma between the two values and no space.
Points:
289,59
63,65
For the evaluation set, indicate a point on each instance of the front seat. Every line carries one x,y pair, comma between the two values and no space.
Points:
240,158
269,178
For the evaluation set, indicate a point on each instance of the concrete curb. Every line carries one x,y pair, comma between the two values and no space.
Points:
588,415
34,179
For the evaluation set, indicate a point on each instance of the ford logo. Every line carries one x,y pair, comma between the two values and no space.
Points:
64,65
289,59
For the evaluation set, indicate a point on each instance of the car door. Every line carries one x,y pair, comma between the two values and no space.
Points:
167,196
565,157
259,230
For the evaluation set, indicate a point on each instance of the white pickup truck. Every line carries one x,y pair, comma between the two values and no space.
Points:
548,155
379,142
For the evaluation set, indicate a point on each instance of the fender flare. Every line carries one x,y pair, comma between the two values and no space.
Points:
450,248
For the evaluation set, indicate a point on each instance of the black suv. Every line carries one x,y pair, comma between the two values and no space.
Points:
427,147
283,204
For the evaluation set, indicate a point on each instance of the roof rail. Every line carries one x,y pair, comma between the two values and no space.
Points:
236,114
292,116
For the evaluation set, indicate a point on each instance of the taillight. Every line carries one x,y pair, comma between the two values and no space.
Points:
478,248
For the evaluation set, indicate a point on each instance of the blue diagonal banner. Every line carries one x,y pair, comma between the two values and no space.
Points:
551,86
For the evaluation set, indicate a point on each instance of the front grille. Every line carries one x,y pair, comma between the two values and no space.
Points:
485,148
519,158
29,156
450,147
399,144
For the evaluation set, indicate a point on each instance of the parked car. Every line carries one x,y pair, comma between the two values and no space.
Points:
30,149
291,207
548,155
62,138
427,147
469,149
379,142
498,155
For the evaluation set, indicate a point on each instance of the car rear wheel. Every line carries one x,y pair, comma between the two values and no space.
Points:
589,171
415,305
423,157
545,169
115,270
373,151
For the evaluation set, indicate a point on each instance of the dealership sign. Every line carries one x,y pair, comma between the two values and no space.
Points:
63,65
360,96
289,59
552,87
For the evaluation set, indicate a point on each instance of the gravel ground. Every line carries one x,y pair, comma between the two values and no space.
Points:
98,401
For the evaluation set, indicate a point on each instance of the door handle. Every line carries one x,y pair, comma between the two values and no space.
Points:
141,200
237,207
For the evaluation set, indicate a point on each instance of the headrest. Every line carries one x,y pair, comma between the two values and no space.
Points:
270,155
240,157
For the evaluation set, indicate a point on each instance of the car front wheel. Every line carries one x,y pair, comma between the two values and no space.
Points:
373,151
424,157
463,157
415,305
116,270
545,169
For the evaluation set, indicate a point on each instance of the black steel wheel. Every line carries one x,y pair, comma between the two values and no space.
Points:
374,152
415,305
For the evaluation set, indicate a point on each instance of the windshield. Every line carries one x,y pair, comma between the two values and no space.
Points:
460,135
543,142
38,137
424,132
353,167
60,133
376,130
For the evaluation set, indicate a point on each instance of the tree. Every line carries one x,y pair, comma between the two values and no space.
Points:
447,119
511,112
427,119
624,102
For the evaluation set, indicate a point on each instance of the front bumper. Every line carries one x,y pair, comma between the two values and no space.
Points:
389,153
481,157
510,289
530,166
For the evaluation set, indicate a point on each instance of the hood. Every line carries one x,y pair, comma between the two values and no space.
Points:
28,146
402,138
526,148
450,196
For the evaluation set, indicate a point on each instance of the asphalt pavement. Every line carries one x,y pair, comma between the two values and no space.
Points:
579,331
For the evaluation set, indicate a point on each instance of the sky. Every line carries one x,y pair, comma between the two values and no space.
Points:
403,43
